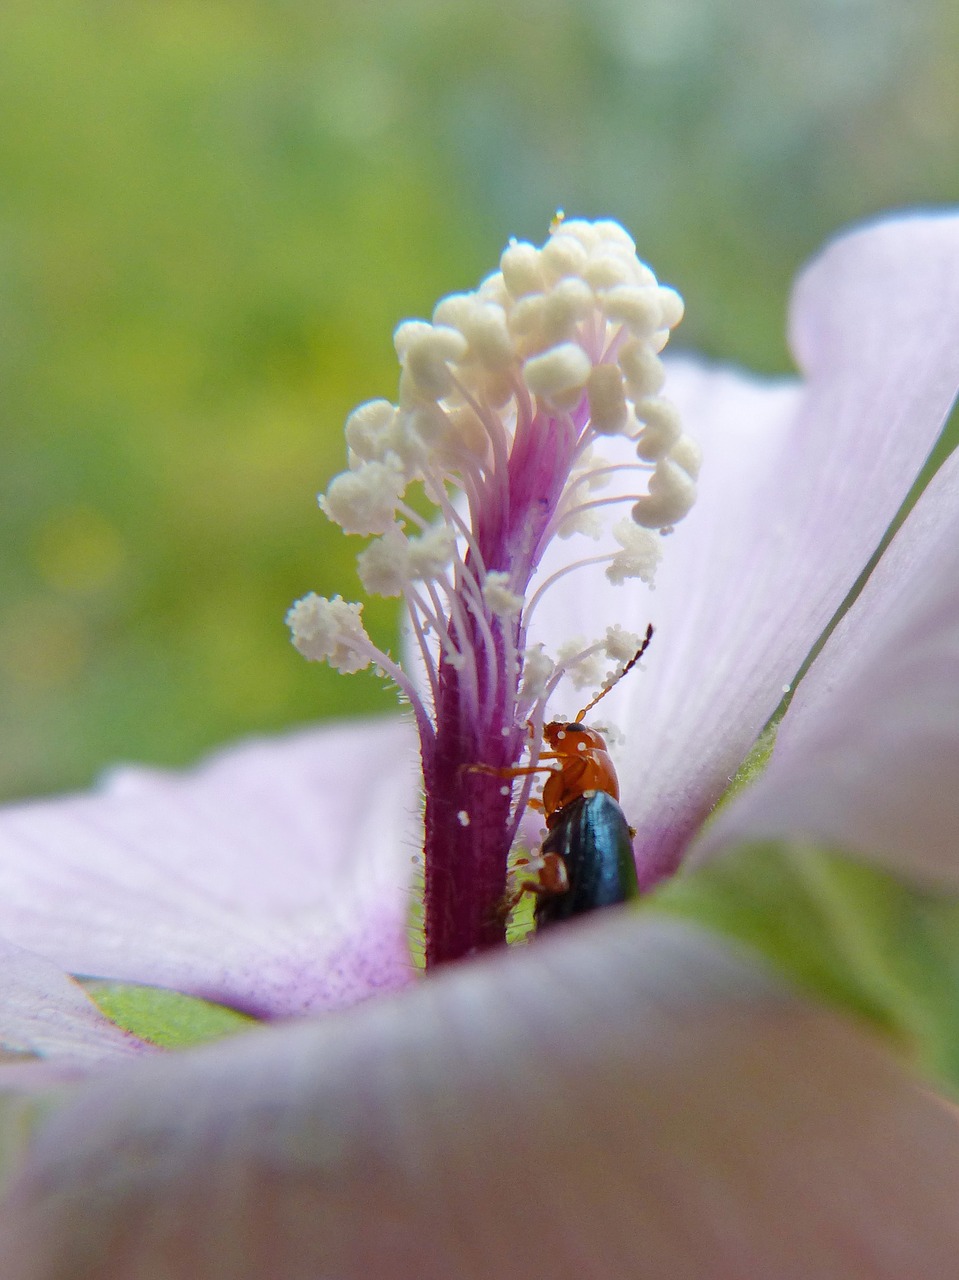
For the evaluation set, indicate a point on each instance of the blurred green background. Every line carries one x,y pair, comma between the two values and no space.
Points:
212,215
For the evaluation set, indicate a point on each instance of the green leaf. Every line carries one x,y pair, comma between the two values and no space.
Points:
843,931
166,1018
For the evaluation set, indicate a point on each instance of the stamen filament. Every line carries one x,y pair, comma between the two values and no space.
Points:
561,573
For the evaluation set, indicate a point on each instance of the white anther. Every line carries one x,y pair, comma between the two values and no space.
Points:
661,430
489,338
430,425
330,631
369,430
636,306
408,332
607,400
613,233
447,342
687,453
499,599
673,306
468,436
497,388
428,355
562,255
389,564
521,268
364,500
527,315
581,230
493,289
537,669
607,270
563,368
432,552
638,558
564,306
409,395
644,370
586,672
384,566
671,495
454,310
645,275
621,645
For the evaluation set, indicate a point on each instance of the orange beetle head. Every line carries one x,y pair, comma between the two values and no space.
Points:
571,738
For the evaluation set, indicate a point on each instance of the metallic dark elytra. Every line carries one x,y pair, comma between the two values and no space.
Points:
594,840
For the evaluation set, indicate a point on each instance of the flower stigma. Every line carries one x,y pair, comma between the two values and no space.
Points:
505,400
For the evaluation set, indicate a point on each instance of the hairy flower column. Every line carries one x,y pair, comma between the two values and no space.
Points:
467,810
502,400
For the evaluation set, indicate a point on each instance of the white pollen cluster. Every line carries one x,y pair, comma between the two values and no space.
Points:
621,645
331,631
499,599
506,396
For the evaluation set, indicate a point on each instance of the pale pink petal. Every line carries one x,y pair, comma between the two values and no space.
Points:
867,757
627,1100
798,485
45,1013
275,877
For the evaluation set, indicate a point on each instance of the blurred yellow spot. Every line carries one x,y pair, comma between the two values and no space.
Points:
43,643
78,551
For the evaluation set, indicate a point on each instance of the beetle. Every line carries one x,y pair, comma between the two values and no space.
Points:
586,860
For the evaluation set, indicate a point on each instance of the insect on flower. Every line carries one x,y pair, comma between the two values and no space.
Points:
518,402
586,860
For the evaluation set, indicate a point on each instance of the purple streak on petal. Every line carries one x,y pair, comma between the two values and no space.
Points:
44,1012
629,1099
275,877
798,485
867,757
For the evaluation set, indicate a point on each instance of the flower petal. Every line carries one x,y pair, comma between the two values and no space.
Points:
274,878
798,485
44,1012
867,757
626,1100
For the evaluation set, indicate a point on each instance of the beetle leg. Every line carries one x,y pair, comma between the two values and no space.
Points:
517,770
543,873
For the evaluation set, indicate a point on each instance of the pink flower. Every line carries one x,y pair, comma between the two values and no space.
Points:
628,1097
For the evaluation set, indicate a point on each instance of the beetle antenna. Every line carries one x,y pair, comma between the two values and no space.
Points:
614,682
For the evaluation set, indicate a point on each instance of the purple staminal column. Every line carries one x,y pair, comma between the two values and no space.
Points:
505,398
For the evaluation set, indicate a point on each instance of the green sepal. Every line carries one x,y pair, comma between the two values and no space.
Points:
165,1018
